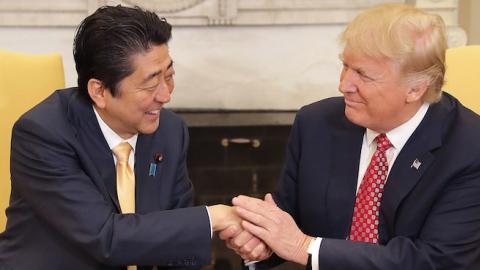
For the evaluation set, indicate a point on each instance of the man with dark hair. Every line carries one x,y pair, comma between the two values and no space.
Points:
97,180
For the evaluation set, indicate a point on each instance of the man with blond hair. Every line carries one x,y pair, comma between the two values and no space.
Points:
387,177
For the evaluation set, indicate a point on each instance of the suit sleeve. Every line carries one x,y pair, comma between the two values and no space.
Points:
47,172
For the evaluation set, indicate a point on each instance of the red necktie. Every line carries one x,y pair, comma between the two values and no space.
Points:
367,204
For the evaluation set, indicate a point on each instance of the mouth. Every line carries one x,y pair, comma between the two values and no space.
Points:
153,113
351,102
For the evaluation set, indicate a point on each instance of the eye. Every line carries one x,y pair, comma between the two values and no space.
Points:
365,77
151,88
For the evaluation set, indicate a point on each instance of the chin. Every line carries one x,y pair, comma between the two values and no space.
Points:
354,117
148,129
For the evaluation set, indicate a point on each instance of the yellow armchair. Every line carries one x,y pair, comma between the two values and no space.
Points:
463,75
25,80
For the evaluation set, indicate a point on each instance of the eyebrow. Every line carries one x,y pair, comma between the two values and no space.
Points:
156,73
360,70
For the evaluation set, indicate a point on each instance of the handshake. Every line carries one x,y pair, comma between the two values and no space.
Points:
256,228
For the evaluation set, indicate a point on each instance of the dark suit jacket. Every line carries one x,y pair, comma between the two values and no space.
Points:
64,212
429,217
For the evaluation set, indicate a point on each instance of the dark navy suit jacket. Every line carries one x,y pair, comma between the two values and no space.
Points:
429,217
64,212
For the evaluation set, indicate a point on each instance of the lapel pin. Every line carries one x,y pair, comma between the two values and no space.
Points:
416,164
157,158
152,171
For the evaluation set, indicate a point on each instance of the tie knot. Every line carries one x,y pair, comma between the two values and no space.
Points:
383,143
122,151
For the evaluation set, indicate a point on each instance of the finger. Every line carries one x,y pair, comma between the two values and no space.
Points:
269,199
257,206
257,231
255,218
249,246
229,245
252,204
245,200
241,239
261,252
230,232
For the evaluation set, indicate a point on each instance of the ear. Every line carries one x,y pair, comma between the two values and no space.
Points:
417,91
97,92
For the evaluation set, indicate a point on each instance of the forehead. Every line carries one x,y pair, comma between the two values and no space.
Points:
156,58
368,63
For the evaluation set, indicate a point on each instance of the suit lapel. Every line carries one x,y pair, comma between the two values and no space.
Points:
343,181
413,161
92,141
147,184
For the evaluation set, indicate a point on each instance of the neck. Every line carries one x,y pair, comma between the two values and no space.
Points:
400,118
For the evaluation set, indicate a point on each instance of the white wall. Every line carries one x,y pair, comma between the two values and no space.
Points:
226,55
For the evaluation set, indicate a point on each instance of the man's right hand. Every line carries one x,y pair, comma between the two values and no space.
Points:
222,216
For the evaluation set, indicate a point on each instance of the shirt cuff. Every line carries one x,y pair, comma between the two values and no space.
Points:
250,264
314,249
209,222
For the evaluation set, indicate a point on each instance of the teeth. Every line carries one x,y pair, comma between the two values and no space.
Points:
153,112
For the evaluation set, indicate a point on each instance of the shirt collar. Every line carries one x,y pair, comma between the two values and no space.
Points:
399,135
112,138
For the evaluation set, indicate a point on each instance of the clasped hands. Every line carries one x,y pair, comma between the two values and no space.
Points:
255,228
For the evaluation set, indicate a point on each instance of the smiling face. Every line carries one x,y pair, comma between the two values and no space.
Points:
376,94
141,95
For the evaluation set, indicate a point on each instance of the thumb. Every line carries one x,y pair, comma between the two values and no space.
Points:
269,199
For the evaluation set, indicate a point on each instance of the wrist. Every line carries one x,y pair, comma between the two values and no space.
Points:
302,257
221,216
215,216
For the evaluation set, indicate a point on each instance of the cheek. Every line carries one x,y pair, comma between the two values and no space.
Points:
342,74
171,85
143,104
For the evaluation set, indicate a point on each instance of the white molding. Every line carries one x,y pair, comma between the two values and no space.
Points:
211,12
40,13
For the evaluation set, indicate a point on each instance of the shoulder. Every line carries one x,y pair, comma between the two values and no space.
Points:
171,127
324,107
456,117
50,112
170,120
460,125
329,112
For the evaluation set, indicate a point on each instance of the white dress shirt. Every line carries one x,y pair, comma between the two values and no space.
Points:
113,139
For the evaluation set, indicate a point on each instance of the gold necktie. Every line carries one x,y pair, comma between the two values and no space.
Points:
125,181
125,178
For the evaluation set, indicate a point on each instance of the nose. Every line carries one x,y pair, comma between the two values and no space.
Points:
163,93
347,80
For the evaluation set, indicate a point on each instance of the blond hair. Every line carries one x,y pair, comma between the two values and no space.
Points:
409,36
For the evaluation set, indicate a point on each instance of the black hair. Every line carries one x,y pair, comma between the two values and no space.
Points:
106,40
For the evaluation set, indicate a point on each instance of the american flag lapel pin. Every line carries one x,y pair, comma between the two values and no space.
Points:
416,164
